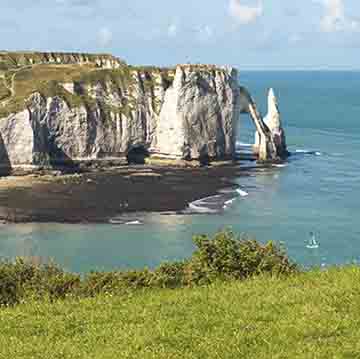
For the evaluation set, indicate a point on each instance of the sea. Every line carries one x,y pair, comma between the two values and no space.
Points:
310,204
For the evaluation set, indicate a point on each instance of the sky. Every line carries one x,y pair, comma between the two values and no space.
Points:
249,34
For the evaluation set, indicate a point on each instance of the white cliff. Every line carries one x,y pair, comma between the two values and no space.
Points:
199,114
109,109
190,114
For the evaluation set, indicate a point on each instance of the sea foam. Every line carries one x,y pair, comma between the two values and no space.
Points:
242,193
198,208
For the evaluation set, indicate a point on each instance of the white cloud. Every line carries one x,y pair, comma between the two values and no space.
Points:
334,19
105,36
245,14
172,30
204,33
334,16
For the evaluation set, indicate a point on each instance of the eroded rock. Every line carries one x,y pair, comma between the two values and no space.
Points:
191,117
270,141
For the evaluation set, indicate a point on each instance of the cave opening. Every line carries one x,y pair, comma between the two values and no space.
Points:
137,155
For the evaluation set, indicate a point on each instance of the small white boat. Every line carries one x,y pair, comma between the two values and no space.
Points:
312,243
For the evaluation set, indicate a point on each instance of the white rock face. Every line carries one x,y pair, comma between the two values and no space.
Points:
199,114
272,119
17,134
192,117
273,122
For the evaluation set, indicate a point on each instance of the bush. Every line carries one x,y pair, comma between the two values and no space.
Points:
9,288
20,280
223,257
230,257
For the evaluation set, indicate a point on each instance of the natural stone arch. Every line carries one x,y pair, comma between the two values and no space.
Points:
270,144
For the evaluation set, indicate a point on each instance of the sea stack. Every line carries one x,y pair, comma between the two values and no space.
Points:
275,145
273,122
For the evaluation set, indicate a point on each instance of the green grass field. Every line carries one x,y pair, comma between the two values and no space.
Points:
309,315
233,298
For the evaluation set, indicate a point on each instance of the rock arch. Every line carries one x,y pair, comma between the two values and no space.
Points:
270,143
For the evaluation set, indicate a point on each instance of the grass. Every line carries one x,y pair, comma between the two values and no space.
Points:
4,92
225,257
15,59
29,72
308,315
47,79
234,298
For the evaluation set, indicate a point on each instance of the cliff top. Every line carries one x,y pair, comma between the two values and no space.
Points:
9,60
23,73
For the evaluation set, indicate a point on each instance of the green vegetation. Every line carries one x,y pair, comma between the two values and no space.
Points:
4,91
26,73
234,298
224,257
310,315
48,80
10,60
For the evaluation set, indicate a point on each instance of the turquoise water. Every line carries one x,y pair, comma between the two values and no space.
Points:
318,191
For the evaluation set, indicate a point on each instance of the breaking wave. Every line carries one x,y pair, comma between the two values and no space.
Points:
133,223
243,144
242,193
216,204
280,165
308,152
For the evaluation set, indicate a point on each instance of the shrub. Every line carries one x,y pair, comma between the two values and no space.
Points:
169,275
227,256
223,257
9,288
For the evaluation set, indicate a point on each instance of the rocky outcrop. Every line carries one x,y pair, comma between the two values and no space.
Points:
199,114
273,122
188,113
109,109
270,141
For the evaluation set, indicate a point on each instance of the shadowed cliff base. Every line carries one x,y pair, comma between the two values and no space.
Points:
98,197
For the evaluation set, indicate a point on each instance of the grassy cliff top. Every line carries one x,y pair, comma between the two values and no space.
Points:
313,315
17,84
24,73
11,60
231,299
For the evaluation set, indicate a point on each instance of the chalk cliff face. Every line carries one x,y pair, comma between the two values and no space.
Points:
270,141
273,122
188,112
199,114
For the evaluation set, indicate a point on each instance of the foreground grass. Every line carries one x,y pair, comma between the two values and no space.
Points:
308,315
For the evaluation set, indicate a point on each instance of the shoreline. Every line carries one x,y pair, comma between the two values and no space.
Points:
100,196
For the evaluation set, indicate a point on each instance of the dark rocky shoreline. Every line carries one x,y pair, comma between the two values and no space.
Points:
96,197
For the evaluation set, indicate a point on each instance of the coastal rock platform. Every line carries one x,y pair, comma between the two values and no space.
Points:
96,197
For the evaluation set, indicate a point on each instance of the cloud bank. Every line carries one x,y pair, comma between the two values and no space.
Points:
245,14
334,18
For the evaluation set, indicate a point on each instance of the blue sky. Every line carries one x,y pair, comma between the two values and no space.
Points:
251,34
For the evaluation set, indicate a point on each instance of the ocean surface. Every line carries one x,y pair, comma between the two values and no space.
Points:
317,191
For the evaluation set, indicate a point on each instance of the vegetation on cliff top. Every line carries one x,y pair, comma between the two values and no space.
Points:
23,73
223,257
11,60
268,315
48,80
